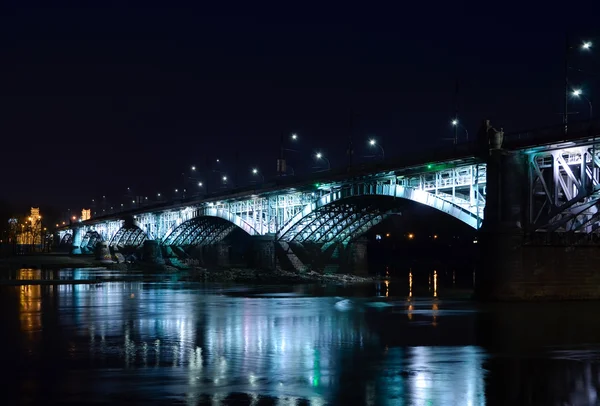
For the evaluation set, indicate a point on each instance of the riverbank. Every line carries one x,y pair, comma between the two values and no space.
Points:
193,273
48,260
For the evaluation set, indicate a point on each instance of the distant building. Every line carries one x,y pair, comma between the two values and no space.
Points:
30,230
86,214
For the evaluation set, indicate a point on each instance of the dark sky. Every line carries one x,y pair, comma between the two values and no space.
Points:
97,99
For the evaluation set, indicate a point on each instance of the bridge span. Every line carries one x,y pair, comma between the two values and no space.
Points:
540,187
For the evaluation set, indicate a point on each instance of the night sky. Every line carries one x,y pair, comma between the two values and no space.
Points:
94,100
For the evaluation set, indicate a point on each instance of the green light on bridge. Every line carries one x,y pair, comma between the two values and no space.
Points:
317,184
429,166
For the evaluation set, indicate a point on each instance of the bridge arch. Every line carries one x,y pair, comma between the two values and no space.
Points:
334,217
67,239
89,241
212,226
128,236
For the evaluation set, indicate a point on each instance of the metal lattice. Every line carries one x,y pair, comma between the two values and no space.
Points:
565,190
456,188
338,221
89,241
128,237
199,231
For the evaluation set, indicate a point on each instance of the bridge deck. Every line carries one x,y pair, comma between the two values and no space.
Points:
433,159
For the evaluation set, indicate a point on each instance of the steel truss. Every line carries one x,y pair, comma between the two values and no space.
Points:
89,240
66,239
199,231
463,186
128,237
564,190
458,190
337,221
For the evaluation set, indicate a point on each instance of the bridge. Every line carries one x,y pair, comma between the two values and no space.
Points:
538,187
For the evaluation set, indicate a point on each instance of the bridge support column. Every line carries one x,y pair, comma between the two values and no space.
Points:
263,252
222,254
77,238
502,236
357,257
152,253
102,252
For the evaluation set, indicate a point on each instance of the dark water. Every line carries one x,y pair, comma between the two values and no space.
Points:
172,342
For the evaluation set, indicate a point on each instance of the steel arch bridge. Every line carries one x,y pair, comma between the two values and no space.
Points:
323,213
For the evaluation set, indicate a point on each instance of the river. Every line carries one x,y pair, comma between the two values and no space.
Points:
141,340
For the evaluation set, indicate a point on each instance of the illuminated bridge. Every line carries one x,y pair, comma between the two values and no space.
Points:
541,185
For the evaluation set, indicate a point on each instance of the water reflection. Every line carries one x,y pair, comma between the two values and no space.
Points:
131,341
66,274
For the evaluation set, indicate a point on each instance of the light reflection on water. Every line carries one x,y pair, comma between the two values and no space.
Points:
118,341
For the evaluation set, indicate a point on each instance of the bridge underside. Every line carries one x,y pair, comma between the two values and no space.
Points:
128,237
203,230
340,221
89,241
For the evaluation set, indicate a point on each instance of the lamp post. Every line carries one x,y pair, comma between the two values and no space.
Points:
256,172
578,93
372,143
281,164
320,156
455,123
585,46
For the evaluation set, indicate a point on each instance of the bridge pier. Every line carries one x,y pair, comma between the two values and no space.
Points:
77,238
217,254
152,252
517,263
102,252
357,257
501,236
263,252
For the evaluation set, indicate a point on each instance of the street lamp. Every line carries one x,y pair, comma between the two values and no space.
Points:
579,93
586,45
193,168
372,143
455,123
200,184
256,172
281,163
320,156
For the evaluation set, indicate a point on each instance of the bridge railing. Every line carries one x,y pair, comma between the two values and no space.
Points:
553,134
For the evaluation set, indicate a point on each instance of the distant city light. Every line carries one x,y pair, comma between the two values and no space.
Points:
577,92
294,136
255,171
586,45
411,236
193,168
455,122
200,184
224,178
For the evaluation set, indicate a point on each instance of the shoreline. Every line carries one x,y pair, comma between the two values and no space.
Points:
232,274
